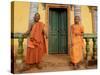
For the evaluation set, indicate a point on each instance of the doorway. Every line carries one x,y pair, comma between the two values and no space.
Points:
58,31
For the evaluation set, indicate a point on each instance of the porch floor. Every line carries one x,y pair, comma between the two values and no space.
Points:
55,62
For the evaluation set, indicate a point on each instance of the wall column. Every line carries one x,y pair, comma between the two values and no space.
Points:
93,10
77,10
33,10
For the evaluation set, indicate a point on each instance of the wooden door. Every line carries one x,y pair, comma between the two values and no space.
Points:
58,31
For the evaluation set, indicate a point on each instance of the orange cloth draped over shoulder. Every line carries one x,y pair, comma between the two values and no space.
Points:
77,43
36,46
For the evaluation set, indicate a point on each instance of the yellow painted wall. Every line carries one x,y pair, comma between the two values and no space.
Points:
86,19
21,16
42,12
21,20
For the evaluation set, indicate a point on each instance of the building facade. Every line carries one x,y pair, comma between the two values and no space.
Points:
57,18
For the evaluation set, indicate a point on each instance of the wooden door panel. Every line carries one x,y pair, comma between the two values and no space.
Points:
58,31
53,32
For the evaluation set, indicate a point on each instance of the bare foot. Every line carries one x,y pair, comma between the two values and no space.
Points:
25,68
39,66
75,67
78,65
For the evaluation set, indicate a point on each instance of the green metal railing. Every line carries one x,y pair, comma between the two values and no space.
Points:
86,36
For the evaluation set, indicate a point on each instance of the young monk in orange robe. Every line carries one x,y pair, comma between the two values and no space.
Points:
36,46
77,42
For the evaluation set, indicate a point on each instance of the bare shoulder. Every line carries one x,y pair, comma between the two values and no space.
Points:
72,25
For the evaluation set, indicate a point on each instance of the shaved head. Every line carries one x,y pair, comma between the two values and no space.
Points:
36,17
77,19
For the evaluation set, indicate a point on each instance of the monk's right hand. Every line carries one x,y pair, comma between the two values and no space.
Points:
24,34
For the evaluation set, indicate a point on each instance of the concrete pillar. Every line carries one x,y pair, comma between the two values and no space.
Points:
77,10
94,18
33,10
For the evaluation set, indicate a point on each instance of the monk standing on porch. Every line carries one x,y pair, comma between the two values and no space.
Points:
36,46
77,42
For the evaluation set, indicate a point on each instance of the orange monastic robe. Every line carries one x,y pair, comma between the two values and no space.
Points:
36,44
77,43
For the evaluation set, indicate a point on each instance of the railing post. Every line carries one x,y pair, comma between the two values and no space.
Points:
93,61
94,48
87,50
19,56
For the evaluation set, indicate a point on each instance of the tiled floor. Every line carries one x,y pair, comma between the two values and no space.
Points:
55,62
